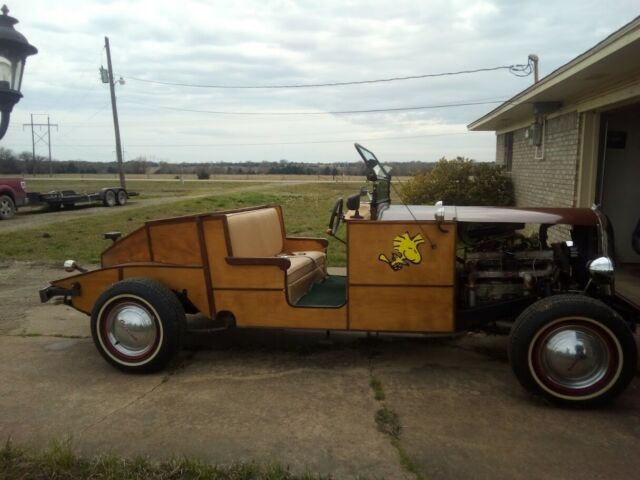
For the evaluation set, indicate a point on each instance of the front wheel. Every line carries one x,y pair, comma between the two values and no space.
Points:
7,207
137,325
573,350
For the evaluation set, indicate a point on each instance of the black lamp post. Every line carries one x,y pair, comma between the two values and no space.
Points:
14,50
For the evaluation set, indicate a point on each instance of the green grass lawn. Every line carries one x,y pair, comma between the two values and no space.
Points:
306,210
59,461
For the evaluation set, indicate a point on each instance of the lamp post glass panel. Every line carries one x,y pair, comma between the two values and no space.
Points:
14,50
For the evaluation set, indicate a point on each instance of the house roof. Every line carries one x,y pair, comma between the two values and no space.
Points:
608,63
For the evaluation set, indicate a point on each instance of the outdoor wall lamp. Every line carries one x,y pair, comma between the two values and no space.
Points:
14,50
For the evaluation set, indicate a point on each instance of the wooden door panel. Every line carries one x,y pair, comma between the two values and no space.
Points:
401,309
401,253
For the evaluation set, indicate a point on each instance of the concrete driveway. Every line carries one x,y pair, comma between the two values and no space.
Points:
301,399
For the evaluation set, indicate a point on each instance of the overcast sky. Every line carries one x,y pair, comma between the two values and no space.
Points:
285,42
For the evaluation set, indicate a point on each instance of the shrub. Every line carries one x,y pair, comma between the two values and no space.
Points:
460,182
203,174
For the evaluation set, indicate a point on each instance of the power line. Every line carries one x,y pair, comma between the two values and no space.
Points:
516,69
81,100
79,125
340,112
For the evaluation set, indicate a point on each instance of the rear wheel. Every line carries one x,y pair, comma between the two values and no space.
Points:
137,325
7,207
122,198
573,350
110,199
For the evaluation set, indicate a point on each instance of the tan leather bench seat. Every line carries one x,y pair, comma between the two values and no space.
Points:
259,233
306,269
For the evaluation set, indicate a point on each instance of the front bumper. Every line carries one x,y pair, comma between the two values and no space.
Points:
52,291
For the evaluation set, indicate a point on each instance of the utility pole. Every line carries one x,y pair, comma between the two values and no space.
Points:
33,146
44,137
49,137
116,124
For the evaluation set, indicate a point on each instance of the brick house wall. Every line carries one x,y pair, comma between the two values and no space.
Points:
550,182
500,153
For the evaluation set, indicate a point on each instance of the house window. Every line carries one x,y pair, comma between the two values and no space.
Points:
507,161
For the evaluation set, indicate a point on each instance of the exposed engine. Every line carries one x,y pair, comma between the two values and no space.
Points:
498,263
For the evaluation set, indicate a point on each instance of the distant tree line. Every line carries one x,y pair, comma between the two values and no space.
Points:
24,163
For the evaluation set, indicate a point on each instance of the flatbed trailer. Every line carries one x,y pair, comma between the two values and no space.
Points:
108,196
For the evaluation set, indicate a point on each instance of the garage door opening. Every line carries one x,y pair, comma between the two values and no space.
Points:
618,193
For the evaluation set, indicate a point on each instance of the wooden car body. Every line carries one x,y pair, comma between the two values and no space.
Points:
194,257
545,274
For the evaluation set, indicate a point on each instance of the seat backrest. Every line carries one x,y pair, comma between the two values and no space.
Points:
255,233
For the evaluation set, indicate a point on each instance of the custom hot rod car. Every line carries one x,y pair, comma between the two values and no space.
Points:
544,274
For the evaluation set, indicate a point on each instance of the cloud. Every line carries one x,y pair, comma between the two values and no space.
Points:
283,42
470,14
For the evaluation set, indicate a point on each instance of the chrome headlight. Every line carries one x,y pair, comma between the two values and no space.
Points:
601,270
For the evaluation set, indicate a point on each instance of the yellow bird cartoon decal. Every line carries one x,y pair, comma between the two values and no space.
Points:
405,251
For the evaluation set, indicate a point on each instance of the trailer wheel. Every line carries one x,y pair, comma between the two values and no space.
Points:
122,198
137,325
573,350
7,207
110,199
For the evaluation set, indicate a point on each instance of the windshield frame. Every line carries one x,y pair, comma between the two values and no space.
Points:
372,163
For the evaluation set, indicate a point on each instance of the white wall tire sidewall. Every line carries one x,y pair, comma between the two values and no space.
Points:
106,349
583,398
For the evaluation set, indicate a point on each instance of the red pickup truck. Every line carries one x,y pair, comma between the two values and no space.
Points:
12,195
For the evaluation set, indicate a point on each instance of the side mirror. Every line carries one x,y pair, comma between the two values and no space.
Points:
353,202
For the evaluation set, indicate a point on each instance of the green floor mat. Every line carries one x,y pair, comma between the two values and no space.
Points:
330,293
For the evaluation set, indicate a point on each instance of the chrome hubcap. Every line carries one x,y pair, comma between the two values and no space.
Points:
574,356
131,329
5,208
